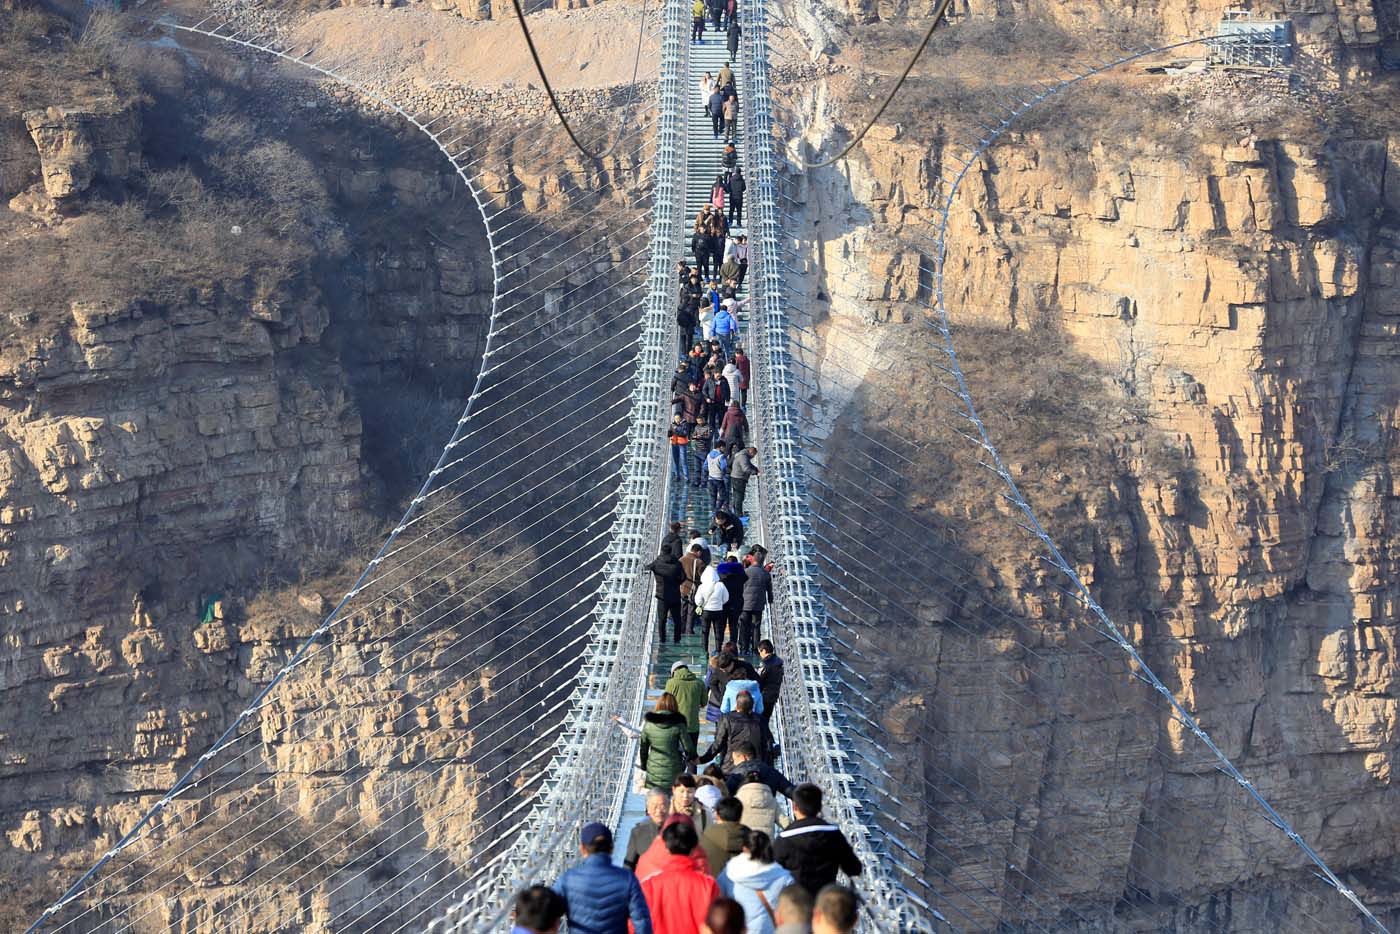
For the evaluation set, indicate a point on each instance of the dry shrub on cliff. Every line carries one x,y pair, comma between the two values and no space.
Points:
45,62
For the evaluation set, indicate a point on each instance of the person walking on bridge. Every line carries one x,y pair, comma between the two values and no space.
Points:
748,767
667,571
716,14
697,21
655,855
717,476
731,574
689,692
658,806
724,838
678,894
665,747
754,880
770,676
812,848
693,564
600,898
733,38
758,593
715,108
673,543
741,359
725,81
741,725
727,330
734,377
734,429
710,598
837,911
737,187
538,910
741,469
793,913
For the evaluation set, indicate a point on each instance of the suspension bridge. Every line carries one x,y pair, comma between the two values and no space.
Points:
508,619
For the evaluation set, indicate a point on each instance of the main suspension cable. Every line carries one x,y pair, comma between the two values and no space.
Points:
549,88
914,59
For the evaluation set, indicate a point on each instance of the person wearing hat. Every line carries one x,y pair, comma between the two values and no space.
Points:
689,692
600,897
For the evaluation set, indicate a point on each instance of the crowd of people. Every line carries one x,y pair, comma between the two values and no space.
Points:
708,588
723,18
715,854
696,869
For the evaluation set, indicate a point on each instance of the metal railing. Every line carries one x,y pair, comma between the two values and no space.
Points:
812,726
592,758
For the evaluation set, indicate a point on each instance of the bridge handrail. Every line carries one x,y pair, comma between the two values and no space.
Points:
812,737
592,760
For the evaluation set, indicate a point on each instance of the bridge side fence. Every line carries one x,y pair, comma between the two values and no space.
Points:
812,725
591,764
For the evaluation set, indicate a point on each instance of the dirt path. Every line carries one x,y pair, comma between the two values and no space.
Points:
587,48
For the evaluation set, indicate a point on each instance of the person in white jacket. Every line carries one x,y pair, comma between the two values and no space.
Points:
754,880
706,319
710,598
735,378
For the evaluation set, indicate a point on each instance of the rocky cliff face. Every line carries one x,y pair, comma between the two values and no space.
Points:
224,348
1179,344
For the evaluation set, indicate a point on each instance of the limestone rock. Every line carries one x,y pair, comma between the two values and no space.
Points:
76,147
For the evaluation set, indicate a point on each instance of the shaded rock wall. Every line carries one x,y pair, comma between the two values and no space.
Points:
1181,351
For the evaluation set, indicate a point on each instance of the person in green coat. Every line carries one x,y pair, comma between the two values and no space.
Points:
689,692
666,744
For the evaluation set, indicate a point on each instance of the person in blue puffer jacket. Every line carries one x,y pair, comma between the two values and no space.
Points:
602,897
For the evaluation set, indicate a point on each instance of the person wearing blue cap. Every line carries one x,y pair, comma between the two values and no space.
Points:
599,897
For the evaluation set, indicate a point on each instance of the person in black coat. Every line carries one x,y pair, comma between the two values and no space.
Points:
669,574
737,187
733,39
770,676
728,528
700,246
731,574
739,727
673,544
687,317
715,108
811,848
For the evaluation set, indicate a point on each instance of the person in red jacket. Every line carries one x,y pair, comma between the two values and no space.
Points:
656,855
679,895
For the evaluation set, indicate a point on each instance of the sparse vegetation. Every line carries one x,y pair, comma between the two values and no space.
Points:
216,203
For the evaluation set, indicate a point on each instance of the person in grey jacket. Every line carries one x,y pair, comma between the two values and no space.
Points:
758,590
741,468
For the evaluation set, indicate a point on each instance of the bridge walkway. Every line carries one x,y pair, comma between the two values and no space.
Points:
686,503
